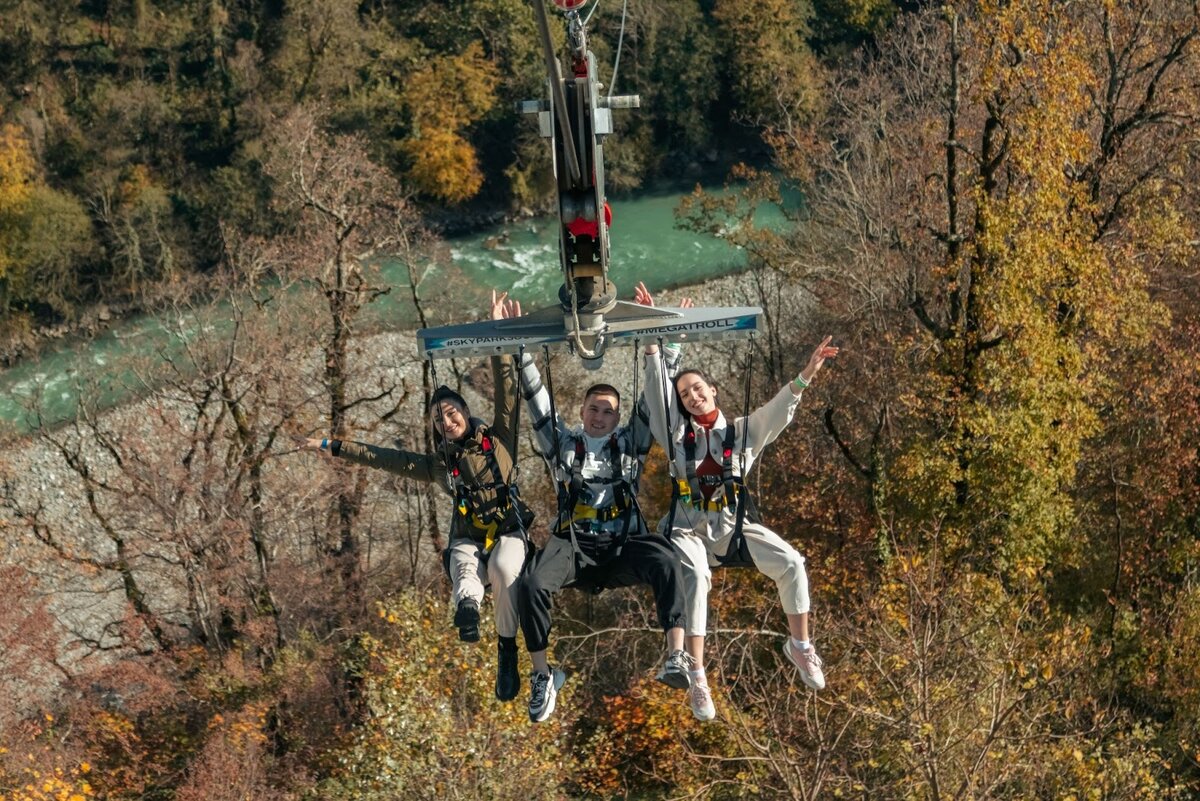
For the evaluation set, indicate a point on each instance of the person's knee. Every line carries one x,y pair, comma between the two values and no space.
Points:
529,587
794,563
697,585
506,573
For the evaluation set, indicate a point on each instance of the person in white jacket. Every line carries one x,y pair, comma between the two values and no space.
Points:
712,520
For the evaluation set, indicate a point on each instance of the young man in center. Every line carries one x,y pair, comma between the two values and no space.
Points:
599,539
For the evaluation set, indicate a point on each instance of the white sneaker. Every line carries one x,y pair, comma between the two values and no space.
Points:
700,700
807,662
543,689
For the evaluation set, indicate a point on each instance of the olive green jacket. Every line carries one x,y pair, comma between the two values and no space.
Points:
483,501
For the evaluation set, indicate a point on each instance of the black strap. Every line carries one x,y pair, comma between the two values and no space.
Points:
622,491
575,482
689,461
727,477
738,554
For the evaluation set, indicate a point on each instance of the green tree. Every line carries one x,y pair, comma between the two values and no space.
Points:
774,78
59,241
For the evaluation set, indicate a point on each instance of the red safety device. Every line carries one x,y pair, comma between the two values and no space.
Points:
569,5
580,226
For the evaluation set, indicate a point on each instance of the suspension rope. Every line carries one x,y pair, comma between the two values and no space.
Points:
664,380
441,426
612,85
588,19
639,459
746,408
514,469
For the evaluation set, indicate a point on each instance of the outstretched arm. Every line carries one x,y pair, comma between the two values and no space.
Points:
768,421
547,428
418,466
673,356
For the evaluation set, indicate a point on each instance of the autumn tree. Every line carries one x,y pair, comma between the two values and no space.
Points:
16,178
346,212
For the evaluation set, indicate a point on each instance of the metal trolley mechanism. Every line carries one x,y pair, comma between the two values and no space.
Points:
576,117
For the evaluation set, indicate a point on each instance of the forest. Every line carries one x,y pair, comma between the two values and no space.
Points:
996,484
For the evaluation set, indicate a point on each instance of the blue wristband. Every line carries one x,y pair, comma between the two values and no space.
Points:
324,444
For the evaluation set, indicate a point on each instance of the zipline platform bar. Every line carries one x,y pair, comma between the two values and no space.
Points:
623,325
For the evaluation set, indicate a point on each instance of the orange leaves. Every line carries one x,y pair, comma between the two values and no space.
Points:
448,95
640,741
445,165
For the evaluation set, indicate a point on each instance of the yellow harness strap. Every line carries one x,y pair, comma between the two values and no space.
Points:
584,512
489,529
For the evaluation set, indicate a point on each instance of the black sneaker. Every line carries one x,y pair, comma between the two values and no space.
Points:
543,689
674,671
467,620
508,680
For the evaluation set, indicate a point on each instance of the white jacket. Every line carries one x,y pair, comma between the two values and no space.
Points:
752,433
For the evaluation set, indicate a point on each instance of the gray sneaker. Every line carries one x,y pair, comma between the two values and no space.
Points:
674,671
543,689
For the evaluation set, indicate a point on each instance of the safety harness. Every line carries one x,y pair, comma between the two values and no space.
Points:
688,490
489,520
574,515
488,523
691,486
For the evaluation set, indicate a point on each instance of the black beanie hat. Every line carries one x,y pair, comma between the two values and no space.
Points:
444,393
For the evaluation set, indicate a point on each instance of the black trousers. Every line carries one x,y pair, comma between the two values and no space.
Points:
645,559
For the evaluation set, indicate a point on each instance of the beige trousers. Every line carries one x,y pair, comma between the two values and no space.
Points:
470,575
772,555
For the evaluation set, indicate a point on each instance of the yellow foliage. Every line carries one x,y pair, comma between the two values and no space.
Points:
444,165
434,719
57,783
450,94
16,185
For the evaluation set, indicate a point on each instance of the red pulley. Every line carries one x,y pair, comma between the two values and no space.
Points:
570,5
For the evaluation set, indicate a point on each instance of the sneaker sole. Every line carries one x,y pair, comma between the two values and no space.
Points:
678,681
809,683
559,678
703,716
468,635
466,618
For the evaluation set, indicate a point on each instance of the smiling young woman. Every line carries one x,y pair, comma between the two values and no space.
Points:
473,463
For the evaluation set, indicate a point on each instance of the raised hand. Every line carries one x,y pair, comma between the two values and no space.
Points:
504,308
498,305
817,359
642,296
